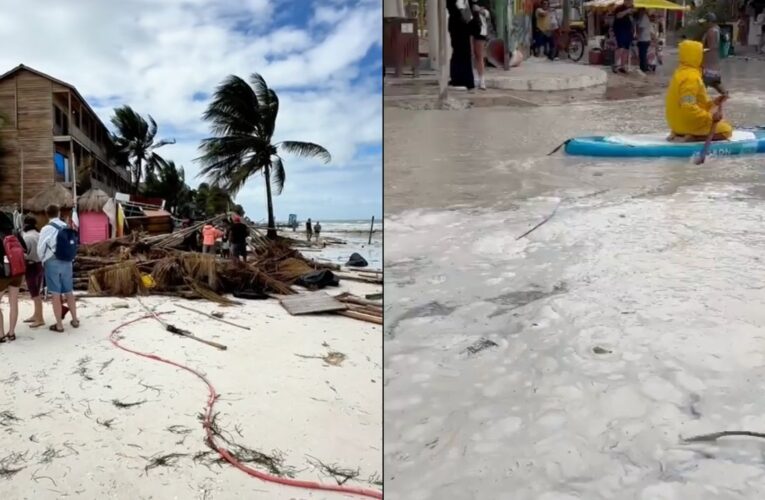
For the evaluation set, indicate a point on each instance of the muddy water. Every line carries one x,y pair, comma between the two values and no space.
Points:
569,363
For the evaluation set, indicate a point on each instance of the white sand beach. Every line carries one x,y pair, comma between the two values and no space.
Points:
66,436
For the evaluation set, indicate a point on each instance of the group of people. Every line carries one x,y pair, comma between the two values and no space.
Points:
230,240
630,25
312,231
469,26
42,259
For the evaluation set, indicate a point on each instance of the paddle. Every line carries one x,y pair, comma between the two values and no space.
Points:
708,142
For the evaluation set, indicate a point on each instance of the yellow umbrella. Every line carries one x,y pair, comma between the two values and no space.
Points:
645,4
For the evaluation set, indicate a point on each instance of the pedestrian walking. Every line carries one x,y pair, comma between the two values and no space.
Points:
12,268
57,249
34,271
308,230
459,26
480,27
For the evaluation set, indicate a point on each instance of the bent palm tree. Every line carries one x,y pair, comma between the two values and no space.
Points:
243,119
135,141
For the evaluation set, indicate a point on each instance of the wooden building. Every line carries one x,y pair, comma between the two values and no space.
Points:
50,135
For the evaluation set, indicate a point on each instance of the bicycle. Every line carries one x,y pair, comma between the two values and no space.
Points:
573,41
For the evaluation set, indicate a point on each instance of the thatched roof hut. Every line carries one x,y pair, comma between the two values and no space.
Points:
92,200
56,194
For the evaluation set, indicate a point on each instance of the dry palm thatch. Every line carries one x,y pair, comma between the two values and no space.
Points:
290,269
56,194
120,280
92,200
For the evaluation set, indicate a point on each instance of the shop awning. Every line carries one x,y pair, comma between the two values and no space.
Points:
646,4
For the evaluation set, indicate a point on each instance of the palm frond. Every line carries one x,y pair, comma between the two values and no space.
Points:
306,150
234,109
278,174
268,102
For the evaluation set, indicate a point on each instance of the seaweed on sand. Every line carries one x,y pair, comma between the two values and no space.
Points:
8,418
167,460
274,462
340,474
49,454
120,404
9,465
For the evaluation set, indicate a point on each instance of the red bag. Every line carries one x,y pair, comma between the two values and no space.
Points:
14,261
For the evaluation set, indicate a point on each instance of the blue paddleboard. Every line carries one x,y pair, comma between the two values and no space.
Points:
744,141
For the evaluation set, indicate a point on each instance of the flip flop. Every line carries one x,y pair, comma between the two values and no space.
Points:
54,328
75,323
37,325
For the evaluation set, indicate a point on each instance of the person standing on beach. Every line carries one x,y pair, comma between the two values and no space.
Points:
57,249
317,230
308,230
237,237
209,234
34,272
10,278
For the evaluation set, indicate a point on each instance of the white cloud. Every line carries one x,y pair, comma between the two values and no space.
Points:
158,55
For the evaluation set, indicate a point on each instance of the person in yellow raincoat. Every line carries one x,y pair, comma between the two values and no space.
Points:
689,111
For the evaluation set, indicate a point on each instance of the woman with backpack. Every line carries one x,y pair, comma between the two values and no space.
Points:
11,275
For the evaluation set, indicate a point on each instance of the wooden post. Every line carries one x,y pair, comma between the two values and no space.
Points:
371,229
443,65
21,174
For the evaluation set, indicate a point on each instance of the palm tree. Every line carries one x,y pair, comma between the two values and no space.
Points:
243,119
135,140
167,182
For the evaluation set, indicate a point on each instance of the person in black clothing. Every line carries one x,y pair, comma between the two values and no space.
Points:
624,29
460,29
237,237
308,230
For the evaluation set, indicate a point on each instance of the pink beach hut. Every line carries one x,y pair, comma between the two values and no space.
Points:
94,221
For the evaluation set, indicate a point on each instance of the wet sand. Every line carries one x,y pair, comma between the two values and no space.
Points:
68,434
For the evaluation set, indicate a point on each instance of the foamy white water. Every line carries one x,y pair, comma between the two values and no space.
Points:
570,364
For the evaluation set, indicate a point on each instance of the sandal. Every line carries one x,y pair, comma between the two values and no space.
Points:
11,338
3,339
37,325
75,323
55,328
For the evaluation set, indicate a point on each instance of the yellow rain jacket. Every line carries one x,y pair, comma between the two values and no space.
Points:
688,107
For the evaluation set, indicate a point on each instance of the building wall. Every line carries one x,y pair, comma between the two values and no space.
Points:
30,132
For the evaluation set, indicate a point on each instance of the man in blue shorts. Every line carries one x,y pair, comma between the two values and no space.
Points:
58,273
624,31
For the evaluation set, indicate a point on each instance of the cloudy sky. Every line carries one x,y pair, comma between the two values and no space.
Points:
165,58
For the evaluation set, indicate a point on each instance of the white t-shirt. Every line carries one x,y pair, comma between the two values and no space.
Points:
644,29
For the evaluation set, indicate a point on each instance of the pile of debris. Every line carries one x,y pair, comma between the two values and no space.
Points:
164,265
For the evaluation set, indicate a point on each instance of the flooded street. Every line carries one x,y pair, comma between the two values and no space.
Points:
571,363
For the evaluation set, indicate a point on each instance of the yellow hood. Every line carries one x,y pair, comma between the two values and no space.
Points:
691,53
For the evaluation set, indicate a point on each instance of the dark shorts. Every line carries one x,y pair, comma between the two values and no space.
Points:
34,278
6,283
624,40
712,78
238,250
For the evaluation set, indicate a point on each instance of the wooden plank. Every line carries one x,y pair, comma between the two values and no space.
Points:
310,303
